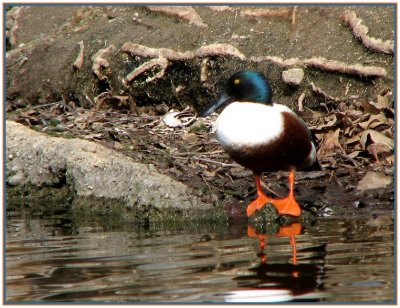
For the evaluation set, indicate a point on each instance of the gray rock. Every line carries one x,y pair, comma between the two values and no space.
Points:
293,76
92,170
16,179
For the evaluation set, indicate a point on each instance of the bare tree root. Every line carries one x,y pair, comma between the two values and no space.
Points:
360,31
325,95
79,59
165,55
265,12
100,61
327,65
182,12
161,61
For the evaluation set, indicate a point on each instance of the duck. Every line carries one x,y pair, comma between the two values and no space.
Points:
263,136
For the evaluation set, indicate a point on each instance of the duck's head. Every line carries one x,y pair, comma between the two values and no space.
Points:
243,86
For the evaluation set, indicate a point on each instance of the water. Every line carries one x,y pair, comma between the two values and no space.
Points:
55,255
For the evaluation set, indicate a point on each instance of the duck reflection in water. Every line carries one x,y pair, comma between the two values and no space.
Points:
303,280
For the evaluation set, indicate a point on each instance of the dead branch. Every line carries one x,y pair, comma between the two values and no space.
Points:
360,31
183,12
79,60
100,61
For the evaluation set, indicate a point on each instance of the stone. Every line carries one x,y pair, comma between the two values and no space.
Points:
92,171
293,76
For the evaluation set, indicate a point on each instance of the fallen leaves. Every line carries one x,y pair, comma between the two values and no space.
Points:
355,134
374,180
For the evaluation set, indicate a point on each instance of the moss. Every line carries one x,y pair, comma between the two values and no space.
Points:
115,211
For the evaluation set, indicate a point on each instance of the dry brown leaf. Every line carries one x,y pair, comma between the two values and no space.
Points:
378,148
374,121
374,180
353,139
390,160
330,145
354,154
190,138
382,102
375,137
370,107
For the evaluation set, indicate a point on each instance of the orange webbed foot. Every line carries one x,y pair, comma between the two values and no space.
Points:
257,204
287,206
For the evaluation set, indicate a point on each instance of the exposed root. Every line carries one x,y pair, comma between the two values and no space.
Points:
341,67
165,55
219,50
293,18
327,65
170,54
300,102
183,12
79,60
161,61
322,93
360,31
265,12
204,70
100,61
144,51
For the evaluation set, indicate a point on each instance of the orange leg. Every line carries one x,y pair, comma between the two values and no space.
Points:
294,249
261,200
262,242
288,205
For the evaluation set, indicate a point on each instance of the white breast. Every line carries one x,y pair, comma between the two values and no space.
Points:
249,124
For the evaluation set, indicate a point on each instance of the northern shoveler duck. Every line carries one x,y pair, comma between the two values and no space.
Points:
262,135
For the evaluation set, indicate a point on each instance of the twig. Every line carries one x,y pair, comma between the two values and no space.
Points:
208,161
47,105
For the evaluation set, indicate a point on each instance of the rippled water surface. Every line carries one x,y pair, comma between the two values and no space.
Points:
52,255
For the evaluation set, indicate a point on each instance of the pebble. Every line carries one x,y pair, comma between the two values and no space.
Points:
16,179
293,76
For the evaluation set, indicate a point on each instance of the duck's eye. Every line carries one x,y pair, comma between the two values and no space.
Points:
236,81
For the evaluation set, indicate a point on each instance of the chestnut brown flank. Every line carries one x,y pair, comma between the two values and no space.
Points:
290,150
